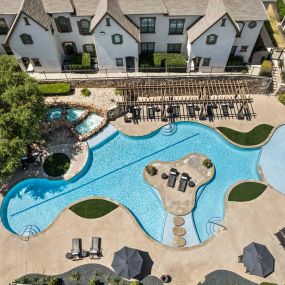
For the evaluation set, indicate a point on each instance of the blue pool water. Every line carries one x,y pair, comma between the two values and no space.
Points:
115,170
89,124
272,160
73,114
54,114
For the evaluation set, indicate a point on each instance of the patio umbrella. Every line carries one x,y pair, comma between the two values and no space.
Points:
258,260
127,262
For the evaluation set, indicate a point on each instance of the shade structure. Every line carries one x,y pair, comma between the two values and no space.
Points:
258,260
127,262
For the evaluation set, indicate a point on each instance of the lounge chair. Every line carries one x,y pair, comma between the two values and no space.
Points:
151,113
76,248
176,111
191,111
281,238
225,110
183,182
136,113
210,111
173,173
95,250
240,258
283,231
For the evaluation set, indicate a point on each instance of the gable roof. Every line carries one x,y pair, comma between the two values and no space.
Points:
35,10
112,8
215,11
58,6
10,7
85,7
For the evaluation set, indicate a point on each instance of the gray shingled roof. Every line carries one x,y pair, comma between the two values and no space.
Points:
85,7
10,6
112,8
215,11
58,6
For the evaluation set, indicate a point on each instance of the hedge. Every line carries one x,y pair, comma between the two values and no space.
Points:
281,98
280,8
156,59
266,68
81,61
62,88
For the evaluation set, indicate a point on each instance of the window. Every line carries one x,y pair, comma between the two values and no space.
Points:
243,48
90,48
174,48
63,25
147,25
26,21
26,39
252,24
119,62
176,27
3,27
224,22
69,48
117,39
211,39
206,61
147,47
36,61
241,26
108,22
84,27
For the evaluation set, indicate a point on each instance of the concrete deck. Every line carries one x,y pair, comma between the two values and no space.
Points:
273,115
255,221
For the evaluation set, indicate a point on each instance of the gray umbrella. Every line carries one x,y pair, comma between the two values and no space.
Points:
127,262
258,260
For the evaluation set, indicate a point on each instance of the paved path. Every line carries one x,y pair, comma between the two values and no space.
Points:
246,222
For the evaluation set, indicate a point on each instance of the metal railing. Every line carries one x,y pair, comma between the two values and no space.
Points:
164,72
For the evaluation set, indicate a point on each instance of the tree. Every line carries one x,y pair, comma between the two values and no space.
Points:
22,111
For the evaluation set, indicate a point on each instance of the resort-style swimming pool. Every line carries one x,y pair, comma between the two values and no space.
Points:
115,170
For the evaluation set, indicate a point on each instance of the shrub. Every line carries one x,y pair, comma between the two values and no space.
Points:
266,68
235,61
74,276
156,60
81,61
280,8
151,170
22,280
208,163
134,283
118,92
53,281
281,98
55,88
56,164
85,92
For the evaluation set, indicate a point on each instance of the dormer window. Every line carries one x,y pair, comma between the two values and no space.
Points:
26,39
84,27
211,39
63,25
117,39
3,27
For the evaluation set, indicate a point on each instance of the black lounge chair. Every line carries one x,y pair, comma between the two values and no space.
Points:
191,111
225,110
281,239
95,250
283,231
210,111
136,113
151,113
76,248
183,182
173,173
176,111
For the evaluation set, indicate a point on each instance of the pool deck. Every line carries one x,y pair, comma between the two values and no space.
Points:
274,116
255,221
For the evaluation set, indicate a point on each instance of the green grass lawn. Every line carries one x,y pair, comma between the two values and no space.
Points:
246,192
61,88
256,136
93,208
56,164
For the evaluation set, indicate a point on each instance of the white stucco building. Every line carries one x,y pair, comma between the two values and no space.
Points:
43,33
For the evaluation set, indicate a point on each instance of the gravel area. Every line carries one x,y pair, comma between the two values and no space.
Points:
86,272
102,98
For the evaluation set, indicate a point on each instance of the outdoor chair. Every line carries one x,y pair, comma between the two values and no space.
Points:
283,231
183,182
136,113
225,110
173,173
76,248
176,111
150,113
240,259
95,250
191,111
281,239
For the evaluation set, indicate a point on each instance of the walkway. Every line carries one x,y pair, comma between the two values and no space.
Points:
246,222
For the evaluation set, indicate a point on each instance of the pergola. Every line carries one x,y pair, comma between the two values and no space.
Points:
184,99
